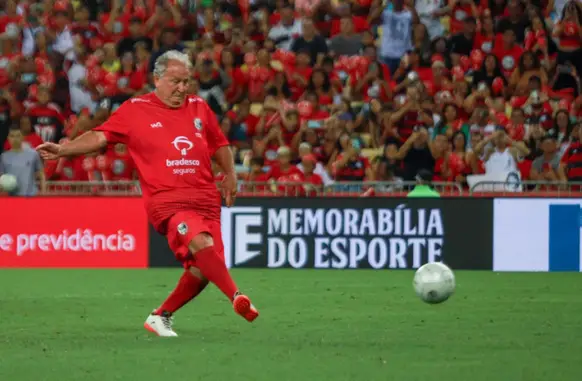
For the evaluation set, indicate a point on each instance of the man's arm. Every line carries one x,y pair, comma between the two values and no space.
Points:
90,141
225,160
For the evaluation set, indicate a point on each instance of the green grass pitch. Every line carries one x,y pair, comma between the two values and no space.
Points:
61,325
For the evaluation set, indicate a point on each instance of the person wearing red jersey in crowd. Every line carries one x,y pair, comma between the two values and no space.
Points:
180,194
283,175
167,15
350,165
313,183
256,176
410,114
569,33
489,72
485,37
417,153
458,160
320,84
516,20
373,85
136,35
547,166
46,116
299,75
116,22
89,31
460,11
234,93
11,22
344,11
117,164
305,150
516,126
571,163
529,66
259,74
31,140
451,123
508,52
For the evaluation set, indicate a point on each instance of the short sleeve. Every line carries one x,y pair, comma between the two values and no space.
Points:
37,162
116,128
214,136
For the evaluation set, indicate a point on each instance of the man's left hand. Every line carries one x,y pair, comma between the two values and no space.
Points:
229,189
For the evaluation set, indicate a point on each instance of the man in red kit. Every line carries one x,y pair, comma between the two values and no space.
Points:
171,137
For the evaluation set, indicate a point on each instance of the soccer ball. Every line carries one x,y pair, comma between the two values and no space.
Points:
8,183
434,282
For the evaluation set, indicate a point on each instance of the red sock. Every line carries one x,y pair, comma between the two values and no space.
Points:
214,269
188,287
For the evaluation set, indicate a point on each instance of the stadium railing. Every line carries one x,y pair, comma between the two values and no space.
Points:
339,189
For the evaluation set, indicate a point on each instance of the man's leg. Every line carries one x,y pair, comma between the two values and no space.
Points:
191,283
212,265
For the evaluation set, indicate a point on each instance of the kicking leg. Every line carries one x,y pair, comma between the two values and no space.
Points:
212,266
191,283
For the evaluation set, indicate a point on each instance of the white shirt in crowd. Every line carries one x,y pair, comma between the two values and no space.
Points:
396,33
80,97
284,36
319,170
65,44
500,161
425,9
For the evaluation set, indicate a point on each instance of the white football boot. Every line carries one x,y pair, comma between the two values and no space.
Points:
161,325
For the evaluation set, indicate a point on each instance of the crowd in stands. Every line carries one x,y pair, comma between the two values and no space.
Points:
319,91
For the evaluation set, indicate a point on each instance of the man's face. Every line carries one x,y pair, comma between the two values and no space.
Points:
549,145
308,28
43,96
287,16
15,138
172,87
346,25
135,28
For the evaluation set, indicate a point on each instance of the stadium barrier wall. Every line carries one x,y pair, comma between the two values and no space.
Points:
351,233
73,232
537,234
503,234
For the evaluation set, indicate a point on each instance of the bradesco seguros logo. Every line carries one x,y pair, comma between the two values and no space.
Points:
73,232
182,166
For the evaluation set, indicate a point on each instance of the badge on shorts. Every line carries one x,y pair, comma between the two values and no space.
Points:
183,228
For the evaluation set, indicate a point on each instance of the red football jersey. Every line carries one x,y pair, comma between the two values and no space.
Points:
172,150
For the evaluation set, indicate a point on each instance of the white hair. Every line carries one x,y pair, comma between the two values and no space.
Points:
171,55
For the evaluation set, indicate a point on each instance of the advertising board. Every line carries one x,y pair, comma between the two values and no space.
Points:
537,234
75,232
352,233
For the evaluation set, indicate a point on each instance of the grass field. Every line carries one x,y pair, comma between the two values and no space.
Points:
314,326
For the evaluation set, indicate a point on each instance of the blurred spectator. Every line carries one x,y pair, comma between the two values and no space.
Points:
24,163
373,90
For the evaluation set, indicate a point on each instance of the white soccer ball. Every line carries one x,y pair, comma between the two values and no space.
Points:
8,183
434,282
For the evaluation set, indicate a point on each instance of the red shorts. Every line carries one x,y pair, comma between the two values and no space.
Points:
183,227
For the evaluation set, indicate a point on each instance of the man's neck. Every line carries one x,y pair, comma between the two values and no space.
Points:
16,149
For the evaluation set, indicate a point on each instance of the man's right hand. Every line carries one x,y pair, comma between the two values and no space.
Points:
49,151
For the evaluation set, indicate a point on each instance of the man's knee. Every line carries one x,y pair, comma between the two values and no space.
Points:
201,241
